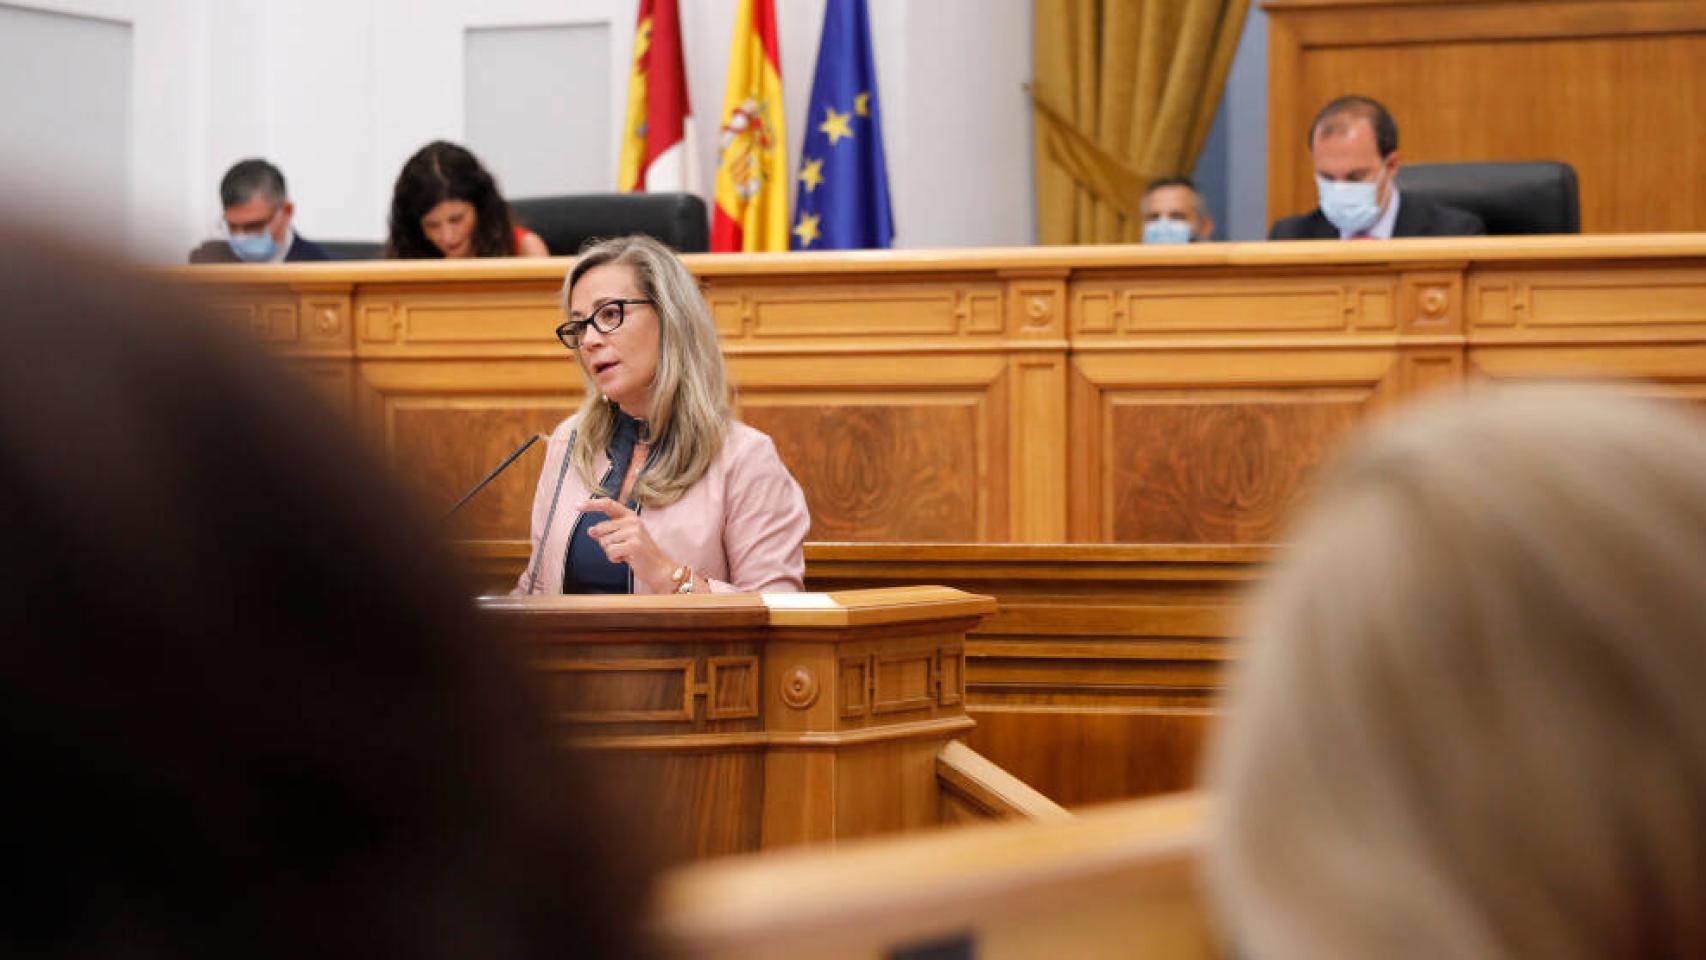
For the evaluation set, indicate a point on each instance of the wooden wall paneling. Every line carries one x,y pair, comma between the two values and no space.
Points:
1646,326
1084,459
1205,399
1097,677
887,396
803,693
861,313
930,394
1431,318
1609,86
1038,425
1037,323
446,423
647,708
305,325
888,447
856,717
453,377
495,318
323,314
1212,447
1080,755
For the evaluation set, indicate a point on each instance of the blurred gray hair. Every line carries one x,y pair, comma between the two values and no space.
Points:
1468,719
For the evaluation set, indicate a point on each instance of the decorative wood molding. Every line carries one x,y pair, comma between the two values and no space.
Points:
1035,395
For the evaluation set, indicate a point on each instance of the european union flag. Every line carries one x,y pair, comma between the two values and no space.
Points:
843,199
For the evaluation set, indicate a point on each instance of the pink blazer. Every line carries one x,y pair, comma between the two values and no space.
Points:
742,526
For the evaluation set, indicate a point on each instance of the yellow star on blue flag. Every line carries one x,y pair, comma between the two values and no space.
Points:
844,180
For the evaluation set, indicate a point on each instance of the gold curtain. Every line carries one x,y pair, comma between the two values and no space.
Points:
1124,93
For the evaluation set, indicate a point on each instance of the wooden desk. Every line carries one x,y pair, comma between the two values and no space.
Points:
743,727
1098,677
1031,395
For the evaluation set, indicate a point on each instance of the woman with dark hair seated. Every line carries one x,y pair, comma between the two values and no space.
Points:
445,204
654,487
244,710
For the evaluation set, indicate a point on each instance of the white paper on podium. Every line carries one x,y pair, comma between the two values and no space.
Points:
799,601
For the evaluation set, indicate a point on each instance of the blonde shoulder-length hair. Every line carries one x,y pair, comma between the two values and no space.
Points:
690,395
1470,716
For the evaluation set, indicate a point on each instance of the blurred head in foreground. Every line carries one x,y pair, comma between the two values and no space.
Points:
243,712
1469,718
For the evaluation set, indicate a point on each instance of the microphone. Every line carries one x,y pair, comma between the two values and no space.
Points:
500,468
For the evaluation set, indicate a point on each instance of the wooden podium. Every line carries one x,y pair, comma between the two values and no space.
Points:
746,722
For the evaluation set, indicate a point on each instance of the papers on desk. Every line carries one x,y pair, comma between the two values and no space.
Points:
800,601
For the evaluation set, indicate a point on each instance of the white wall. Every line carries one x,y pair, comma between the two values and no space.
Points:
77,133
338,93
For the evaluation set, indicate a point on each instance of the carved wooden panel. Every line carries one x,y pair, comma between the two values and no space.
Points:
902,466
1627,304
1642,324
855,686
444,445
620,691
951,675
904,681
1242,305
884,307
513,315
974,397
269,315
731,688
1216,469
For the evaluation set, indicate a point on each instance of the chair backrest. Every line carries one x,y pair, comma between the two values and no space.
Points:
353,249
565,223
1511,198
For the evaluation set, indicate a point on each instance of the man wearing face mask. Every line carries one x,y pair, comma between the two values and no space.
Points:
256,220
1354,143
1173,212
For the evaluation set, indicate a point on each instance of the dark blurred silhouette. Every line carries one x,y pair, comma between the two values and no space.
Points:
246,712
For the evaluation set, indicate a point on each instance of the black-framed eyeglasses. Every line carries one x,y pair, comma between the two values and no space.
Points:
606,317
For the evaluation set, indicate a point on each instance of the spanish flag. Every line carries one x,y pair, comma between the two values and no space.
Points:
752,149
657,140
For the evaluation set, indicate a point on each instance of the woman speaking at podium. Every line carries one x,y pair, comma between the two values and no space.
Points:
653,487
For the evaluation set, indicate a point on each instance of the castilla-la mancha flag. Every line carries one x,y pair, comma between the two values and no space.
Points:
752,148
657,140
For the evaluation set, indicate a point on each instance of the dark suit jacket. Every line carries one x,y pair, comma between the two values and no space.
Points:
302,248
1417,217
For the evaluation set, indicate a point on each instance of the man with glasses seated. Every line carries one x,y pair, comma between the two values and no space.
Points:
256,224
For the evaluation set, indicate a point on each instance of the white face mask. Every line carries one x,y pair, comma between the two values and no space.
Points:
1351,207
1167,230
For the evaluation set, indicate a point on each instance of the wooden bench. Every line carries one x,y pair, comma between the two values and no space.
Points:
1121,880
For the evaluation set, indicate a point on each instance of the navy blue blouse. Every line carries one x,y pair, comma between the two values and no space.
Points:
587,570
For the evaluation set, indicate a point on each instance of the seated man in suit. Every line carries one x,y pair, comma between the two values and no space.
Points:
1174,212
1354,143
258,215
